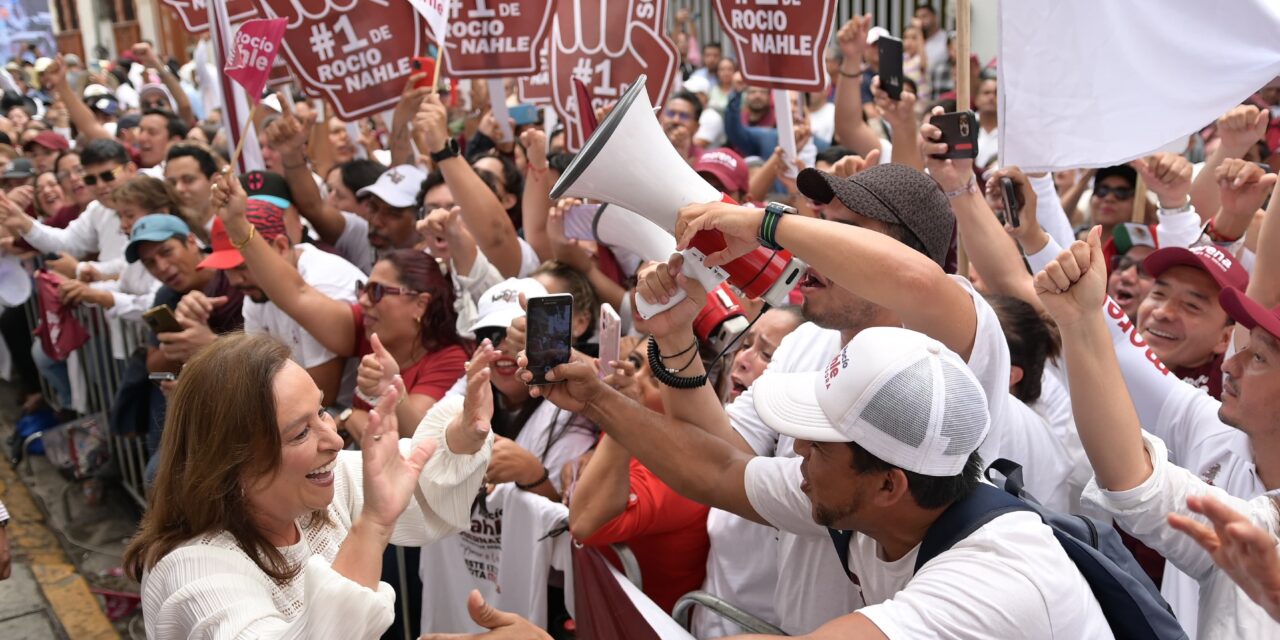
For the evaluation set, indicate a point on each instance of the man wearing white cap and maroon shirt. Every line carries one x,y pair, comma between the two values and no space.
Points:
887,433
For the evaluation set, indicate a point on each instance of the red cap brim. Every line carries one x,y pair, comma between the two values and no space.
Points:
222,260
1249,314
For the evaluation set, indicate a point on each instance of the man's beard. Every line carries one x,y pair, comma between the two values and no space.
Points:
847,316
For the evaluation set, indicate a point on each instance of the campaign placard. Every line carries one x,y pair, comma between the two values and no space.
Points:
607,45
354,53
780,43
496,38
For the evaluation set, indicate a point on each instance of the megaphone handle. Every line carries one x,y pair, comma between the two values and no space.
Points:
709,278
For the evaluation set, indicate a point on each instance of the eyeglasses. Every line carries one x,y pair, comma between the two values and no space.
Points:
495,335
1120,264
1121,193
106,176
672,114
66,175
377,291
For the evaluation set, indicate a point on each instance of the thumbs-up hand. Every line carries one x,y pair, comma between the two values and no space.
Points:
378,370
1075,285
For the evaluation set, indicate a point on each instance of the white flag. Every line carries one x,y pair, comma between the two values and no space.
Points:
1093,83
436,13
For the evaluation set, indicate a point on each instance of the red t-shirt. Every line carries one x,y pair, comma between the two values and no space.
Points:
432,375
666,531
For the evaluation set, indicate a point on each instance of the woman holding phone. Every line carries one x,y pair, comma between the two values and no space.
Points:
260,525
403,324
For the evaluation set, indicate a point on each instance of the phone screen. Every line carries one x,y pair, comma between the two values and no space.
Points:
579,222
524,114
890,66
549,334
610,334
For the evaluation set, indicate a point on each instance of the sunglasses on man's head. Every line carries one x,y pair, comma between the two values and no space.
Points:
1121,193
377,291
92,179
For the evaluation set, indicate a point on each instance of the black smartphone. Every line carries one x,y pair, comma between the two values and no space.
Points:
1012,204
549,335
960,132
161,320
890,66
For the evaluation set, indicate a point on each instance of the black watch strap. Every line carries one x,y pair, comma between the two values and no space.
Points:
450,150
767,234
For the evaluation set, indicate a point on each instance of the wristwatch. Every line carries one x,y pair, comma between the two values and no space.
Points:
773,212
450,150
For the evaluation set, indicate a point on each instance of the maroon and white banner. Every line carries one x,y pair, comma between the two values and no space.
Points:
496,38
780,43
608,44
194,14
354,53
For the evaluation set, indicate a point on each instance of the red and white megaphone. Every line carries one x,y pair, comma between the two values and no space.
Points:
629,162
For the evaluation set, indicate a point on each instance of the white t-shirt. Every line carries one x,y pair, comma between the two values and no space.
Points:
988,146
1008,579
1225,611
810,591
507,555
330,275
822,122
742,570
353,244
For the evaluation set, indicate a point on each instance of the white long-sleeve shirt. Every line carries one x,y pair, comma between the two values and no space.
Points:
97,230
1225,610
210,588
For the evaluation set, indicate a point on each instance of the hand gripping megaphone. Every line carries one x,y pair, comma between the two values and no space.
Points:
629,162
720,320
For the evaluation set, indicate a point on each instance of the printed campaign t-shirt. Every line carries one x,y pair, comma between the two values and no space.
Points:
1009,579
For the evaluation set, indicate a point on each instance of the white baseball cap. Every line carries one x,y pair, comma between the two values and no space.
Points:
500,304
397,186
874,34
899,394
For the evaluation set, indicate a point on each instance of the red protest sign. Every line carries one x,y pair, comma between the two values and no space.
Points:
252,53
536,88
354,53
496,38
608,44
780,44
194,14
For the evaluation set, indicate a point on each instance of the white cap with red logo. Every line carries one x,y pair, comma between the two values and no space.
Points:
899,394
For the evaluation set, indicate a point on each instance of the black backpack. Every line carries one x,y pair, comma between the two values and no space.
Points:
1131,603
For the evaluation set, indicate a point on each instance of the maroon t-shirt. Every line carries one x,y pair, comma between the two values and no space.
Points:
1207,376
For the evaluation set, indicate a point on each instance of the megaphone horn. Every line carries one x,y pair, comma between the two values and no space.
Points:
629,162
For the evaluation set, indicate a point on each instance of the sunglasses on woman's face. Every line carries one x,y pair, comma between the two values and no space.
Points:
92,179
1121,193
377,291
495,335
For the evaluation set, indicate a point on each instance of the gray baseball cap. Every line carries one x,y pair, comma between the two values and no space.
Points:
892,193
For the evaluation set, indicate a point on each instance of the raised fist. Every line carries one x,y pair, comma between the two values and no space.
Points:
487,41
355,56
780,44
608,47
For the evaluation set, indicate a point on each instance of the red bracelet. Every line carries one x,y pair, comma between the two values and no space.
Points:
1212,231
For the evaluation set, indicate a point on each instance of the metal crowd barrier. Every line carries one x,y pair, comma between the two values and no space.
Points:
683,613
102,360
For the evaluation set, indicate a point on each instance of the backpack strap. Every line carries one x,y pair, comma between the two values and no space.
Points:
841,540
962,518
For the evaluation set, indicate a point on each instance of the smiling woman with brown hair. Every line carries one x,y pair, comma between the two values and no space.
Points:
259,525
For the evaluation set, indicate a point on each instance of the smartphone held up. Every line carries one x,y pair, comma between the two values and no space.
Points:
549,334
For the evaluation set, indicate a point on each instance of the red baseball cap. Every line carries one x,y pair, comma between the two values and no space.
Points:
266,218
1220,265
48,140
727,166
1249,314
